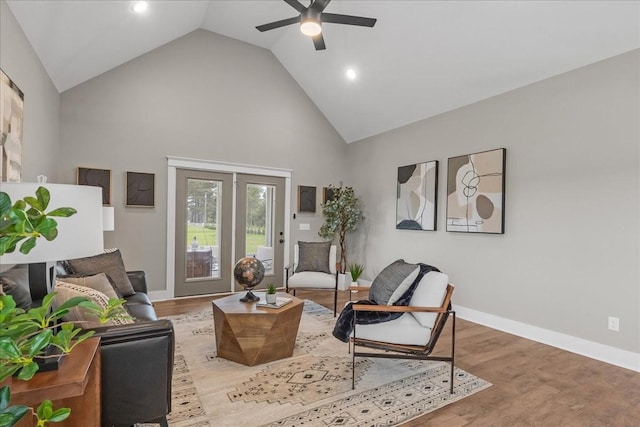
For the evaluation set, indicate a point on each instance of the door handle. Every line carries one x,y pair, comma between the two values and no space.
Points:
281,240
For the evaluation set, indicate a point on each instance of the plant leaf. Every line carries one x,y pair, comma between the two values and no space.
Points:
43,197
28,371
62,212
27,245
60,414
5,203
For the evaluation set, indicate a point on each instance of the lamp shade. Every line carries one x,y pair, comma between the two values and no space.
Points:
108,218
78,236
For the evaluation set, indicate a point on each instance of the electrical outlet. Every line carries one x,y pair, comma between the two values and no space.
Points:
614,324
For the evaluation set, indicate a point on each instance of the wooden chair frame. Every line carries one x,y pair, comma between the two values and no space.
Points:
401,351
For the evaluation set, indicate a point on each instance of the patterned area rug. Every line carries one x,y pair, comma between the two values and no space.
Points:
312,388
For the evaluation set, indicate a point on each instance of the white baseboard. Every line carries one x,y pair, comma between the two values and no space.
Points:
604,353
160,295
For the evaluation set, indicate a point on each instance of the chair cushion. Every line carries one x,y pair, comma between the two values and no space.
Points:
313,256
430,293
389,279
403,330
15,282
80,316
110,263
312,279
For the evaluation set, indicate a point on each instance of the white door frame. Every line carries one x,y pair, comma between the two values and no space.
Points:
174,163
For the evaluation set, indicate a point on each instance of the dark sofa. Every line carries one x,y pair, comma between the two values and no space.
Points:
137,358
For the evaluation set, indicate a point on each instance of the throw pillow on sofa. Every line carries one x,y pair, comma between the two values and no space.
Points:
99,282
15,282
79,315
110,263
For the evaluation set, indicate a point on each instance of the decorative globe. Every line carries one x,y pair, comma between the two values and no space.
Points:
249,272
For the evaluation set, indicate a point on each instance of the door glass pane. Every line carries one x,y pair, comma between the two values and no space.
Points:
203,217
260,220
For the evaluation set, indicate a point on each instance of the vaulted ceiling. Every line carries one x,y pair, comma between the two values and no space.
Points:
421,59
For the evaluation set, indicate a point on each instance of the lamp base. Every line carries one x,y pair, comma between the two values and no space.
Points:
250,297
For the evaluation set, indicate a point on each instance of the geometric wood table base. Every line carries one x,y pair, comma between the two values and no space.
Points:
254,335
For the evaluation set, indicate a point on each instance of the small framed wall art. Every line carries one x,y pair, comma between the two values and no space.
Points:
141,190
417,196
306,199
475,192
11,125
97,178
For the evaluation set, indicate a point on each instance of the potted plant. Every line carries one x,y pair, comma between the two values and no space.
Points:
24,336
356,271
341,215
271,294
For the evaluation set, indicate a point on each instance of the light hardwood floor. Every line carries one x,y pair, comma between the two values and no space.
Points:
533,384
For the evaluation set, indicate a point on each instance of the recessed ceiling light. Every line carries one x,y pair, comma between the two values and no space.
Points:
351,74
140,6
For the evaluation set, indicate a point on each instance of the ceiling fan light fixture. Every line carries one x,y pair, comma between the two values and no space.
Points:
310,28
310,23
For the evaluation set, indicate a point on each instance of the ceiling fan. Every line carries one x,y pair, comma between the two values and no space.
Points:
312,17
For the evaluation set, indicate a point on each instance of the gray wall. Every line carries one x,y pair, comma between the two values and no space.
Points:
41,100
201,96
569,257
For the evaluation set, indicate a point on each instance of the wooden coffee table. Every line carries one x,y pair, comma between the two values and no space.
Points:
253,335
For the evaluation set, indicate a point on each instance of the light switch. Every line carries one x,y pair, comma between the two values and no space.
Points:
305,227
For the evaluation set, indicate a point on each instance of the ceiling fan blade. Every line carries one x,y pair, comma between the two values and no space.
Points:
278,24
348,19
296,5
319,5
318,42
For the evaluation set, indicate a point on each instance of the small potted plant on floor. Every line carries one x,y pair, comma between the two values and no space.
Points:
271,294
356,271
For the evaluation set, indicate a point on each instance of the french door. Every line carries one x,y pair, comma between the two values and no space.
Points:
220,218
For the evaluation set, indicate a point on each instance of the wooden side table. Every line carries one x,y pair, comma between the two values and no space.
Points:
76,385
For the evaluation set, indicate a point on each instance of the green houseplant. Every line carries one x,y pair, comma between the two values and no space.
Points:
341,215
356,271
271,294
24,335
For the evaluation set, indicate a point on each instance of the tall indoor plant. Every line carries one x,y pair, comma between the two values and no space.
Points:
25,335
341,215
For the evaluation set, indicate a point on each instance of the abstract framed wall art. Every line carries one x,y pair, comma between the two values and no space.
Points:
11,129
417,196
97,178
475,192
306,199
141,190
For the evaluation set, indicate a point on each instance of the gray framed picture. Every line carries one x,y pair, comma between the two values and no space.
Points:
140,190
306,198
328,193
417,196
475,192
96,178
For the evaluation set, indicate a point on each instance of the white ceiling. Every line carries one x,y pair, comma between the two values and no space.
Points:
421,59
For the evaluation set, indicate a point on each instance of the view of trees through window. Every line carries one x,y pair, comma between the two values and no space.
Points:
203,204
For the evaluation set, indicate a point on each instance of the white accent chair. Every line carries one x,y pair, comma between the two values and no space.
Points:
313,279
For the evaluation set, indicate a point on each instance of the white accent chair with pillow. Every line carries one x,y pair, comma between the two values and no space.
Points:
314,267
415,333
